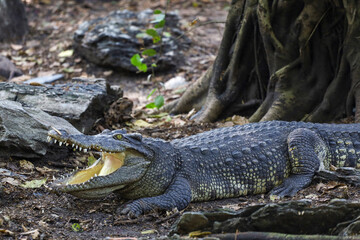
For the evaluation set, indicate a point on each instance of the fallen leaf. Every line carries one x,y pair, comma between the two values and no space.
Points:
151,231
45,170
53,48
30,51
66,53
34,183
239,120
178,122
11,181
34,233
198,234
6,232
20,79
26,165
107,73
68,70
45,73
141,123
32,43
16,47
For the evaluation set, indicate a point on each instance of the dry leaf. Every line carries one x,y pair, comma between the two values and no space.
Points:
20,79
26,165
66,53
11,181
45,170
142,123
30,51
151,231
198,234
16,47
34,183
45,73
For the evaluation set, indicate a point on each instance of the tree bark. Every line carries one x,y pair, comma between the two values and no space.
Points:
277,236
13,21
282,60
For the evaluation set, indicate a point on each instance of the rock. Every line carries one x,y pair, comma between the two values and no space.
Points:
112,40
8,69
292,217
81,102
191,221
23,131
176,82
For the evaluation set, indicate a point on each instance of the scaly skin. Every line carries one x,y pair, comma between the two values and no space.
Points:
226,162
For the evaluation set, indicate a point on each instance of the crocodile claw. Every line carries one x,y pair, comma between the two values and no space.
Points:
131,211
292,185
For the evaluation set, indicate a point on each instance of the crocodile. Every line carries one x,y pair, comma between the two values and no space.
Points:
277,156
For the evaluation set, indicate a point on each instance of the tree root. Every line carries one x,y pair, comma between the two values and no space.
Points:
299,58
276,236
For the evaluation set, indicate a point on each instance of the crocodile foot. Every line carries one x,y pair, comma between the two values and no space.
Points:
292,185
132,210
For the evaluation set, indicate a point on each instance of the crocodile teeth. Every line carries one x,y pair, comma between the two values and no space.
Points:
80,148
96,175
67,144
49,139
60,143
55,141
76,147
85,150
73,145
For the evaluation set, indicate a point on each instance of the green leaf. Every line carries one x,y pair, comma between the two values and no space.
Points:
150,105
76,227
159,101
136,60
157,11
151,93
156,39
149,52
160,24
152,32
142,67
153,65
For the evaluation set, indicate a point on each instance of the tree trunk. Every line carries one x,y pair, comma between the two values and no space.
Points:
282,60
13,22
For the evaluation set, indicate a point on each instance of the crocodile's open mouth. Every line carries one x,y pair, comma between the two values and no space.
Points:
105,165
108,162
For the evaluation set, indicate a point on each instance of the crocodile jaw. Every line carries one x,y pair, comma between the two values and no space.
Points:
113,171
107,164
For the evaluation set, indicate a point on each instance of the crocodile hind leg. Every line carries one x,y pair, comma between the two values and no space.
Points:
307,153
178,195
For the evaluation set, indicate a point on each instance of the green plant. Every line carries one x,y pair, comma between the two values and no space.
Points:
158,101
158,22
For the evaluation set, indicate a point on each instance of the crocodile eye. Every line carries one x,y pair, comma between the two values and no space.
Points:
118,137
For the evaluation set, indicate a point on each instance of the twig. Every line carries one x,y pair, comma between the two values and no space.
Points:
167,218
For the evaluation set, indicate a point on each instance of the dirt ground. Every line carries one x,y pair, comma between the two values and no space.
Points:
35,213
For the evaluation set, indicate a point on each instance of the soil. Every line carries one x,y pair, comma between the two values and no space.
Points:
36,213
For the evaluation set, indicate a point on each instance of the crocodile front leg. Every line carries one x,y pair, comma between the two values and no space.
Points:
178,195
307,152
